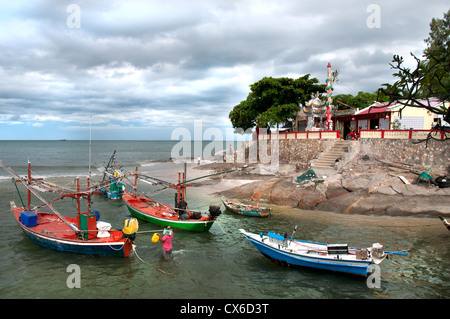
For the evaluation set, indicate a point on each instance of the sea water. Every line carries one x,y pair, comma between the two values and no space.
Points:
219,264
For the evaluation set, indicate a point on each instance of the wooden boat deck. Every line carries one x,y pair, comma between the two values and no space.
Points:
52,226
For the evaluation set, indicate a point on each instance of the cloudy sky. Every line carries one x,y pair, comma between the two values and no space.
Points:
141,69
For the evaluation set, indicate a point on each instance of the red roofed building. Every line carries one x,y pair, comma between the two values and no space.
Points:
384,116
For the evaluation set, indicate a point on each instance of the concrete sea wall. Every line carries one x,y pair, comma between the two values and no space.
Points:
300,152
434,154
295,152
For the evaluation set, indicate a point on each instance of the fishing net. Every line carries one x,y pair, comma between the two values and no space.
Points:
306,176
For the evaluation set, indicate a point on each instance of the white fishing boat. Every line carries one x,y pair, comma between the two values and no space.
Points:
331,257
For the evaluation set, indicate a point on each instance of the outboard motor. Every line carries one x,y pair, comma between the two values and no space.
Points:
196,215
214,210
182,205
378,253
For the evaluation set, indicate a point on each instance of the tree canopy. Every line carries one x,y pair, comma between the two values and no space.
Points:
273,101
361,100
431,77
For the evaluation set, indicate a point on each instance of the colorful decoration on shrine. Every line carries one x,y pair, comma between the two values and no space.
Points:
331,78
314,109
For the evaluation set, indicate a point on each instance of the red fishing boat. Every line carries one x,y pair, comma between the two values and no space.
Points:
83,234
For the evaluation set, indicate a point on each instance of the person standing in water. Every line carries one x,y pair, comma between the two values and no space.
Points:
166,240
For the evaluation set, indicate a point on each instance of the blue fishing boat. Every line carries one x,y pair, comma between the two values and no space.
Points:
330,257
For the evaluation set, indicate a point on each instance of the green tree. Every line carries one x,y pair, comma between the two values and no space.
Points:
273,101
361,100
431,77
439,37
437,82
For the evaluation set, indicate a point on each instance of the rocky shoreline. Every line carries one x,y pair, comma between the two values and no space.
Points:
364,187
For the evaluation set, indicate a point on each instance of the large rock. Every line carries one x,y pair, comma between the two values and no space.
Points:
362,202
335,189
245,191
351,195
419,205
385,190
352,184
340,203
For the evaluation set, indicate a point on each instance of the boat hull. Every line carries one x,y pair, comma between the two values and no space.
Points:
197,226
155,216
354,267
114,246
246,210
99,249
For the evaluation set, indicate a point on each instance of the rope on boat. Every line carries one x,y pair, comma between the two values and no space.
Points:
181,183
123,247
219,173
135,252
220,227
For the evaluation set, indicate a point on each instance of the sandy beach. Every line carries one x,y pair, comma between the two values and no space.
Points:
217,183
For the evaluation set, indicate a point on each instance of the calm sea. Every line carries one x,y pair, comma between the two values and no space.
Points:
219,264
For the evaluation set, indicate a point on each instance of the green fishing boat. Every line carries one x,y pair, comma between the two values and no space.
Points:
160,214
178,217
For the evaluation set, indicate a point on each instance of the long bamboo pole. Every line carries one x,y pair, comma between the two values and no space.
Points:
30,190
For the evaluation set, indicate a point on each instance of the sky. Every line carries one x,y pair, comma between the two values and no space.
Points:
133,70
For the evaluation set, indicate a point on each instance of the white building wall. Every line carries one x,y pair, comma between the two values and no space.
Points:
410,122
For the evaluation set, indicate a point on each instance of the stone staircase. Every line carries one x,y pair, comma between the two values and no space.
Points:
327,158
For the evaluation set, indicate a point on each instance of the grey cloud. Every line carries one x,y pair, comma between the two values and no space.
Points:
192,60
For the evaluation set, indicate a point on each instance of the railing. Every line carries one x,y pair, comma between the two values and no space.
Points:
400,134
302,135
387,134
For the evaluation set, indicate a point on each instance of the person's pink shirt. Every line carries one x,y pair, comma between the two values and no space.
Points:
167,241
